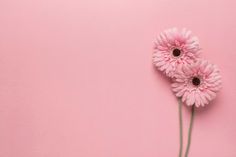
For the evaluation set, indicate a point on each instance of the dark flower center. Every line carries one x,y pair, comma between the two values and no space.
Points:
196,81
176,52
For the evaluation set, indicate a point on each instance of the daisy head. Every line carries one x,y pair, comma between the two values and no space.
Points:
174,48
198,83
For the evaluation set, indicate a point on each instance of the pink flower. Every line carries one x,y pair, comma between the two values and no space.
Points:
173,49
197,84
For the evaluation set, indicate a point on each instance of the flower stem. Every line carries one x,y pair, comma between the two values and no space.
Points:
190,131
180,128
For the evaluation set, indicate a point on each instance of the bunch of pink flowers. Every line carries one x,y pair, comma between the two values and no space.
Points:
195,81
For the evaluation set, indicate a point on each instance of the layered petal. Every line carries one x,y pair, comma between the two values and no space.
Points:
197,84
173,49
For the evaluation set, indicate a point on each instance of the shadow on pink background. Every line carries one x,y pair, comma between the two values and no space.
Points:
76,78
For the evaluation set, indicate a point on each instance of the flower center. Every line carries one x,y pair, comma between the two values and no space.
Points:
196,81
176,52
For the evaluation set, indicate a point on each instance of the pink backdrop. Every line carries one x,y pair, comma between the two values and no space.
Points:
76,78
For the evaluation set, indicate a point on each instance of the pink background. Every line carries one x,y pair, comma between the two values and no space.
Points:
76,78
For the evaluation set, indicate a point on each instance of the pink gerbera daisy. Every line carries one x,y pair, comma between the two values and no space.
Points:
198,83
173,49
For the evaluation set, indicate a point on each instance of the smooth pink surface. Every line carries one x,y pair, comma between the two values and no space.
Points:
76,78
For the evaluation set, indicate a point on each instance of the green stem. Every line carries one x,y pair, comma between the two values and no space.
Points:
190,131
180,128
